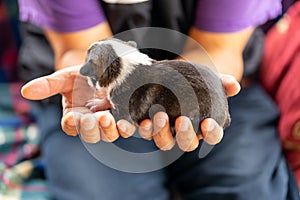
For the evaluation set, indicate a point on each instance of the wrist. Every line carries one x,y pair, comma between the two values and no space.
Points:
70,58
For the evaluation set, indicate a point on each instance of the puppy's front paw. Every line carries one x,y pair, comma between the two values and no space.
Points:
95,104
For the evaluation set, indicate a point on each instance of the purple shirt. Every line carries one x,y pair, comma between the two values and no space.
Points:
62,15
211,15
234,15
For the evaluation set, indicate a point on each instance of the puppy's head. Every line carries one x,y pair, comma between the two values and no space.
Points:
102,64
110,59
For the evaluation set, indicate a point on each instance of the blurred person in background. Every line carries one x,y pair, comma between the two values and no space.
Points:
278,75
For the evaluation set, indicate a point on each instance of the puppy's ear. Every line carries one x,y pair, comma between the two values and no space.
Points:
132,43
88,69
111,72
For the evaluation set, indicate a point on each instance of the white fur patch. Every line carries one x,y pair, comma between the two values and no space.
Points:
130,61
135,57
130,57
90,82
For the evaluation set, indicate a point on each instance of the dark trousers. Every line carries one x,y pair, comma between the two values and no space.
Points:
247,165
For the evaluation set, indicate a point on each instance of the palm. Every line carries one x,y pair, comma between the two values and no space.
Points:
76,98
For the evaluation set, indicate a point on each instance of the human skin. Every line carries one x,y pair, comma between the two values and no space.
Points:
225,50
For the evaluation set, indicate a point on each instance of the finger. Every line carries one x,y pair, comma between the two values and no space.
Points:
125,128
186,137
211,131
46,86
146,129
70,123
89,130
162,134
109,131
231,85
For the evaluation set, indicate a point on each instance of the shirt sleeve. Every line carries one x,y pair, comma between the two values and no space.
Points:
62,15
234,15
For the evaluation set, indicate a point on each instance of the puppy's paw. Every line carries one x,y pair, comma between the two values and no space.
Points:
95,104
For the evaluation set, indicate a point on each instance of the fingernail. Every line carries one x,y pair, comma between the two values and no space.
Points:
89,122
104,121
183,126
72,120
211,125
122,126
147,126
160,122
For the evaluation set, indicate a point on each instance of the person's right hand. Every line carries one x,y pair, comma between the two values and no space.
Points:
186,137
77,117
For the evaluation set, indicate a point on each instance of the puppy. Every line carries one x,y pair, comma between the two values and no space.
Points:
139,86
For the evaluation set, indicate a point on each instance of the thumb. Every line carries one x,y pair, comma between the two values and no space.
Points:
231,85
36,89
46,86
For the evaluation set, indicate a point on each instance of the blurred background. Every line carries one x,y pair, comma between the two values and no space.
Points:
21,175
9,40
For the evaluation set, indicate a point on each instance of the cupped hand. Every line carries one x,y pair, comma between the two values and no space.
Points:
95,122
186,138
77,116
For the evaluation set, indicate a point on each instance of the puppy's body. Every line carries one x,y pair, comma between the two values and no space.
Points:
140,87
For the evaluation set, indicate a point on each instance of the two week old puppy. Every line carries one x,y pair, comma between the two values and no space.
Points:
139,86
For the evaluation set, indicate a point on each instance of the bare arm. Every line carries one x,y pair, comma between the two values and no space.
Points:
225,50
70,48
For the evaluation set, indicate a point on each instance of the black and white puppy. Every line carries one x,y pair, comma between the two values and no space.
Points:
139,86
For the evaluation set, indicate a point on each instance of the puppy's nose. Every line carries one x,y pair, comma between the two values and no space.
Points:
87,70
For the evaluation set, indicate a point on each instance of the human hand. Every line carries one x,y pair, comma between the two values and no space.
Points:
186,138
77,117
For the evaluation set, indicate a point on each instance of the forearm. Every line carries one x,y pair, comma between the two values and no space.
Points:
70,48
70,58
224,63
222,52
